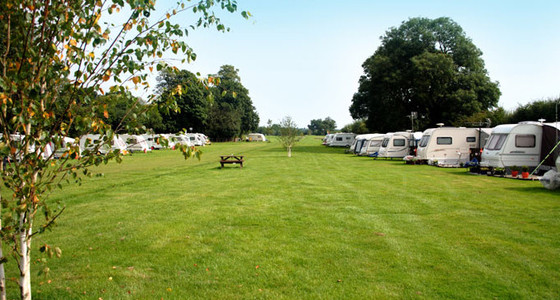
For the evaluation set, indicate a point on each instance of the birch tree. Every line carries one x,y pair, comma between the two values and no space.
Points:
56,58
289,134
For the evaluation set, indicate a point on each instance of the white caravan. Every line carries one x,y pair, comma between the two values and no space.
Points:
45,152
359,142
256,137
450,146
169,138
399,144
342,140
327,140
372,145
68,145
182,139
89,142
195,139
522,144
152,140
135,143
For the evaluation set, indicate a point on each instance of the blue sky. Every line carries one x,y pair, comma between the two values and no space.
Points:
303,58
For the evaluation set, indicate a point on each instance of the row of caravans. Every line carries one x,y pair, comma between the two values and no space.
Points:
126,143
532,144
389,145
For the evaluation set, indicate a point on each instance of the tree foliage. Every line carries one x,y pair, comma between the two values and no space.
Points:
193,103
541,109
357,127
427,66
289,134
57,57
232,106
322,127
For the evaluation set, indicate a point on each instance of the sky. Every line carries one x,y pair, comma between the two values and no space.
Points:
302,58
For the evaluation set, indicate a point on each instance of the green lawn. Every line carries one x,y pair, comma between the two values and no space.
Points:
320,225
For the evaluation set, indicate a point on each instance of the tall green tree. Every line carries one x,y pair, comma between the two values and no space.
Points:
56,58
193,103
427,66
127,113
225,122
322,127
229,90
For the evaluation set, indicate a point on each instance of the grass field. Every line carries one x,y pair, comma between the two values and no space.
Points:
320,225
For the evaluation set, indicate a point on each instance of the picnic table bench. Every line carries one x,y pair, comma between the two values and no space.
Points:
231,159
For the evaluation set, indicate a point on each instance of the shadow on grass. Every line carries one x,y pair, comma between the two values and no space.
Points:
309,149
536,190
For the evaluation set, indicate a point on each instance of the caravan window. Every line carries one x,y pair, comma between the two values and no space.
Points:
496,142
339,139
444,140
471,139
424,141
399,142
385,143
525,140
375,143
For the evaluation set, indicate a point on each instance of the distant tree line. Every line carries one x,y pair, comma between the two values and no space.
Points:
220,107
275,129
547,109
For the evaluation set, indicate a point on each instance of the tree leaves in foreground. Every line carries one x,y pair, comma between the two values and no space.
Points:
427,66
56,58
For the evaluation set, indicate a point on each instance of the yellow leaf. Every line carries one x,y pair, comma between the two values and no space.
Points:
91,54
168,15
73,43
97,16
135,79
151,69
106,114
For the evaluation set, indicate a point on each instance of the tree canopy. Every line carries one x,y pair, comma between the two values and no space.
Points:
289,134
192,110
321,127
232,113
426,66
357,127
222,109
540,109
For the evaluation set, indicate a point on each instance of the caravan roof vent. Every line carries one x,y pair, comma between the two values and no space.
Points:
439,124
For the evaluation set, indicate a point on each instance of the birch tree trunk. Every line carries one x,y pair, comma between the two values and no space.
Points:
289,151
25,261
2,274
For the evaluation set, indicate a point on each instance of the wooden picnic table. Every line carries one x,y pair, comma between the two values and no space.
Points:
231,159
